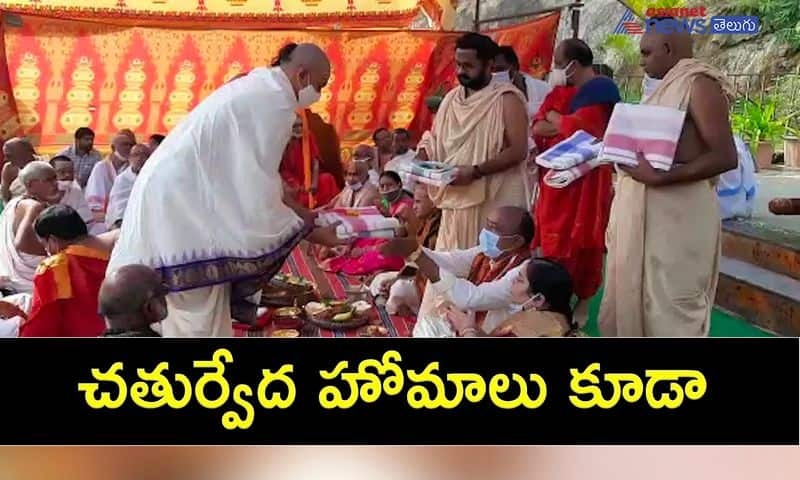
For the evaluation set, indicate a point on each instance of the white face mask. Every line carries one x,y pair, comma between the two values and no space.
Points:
356,186
518,307
558,76
308,96
502,77
649,85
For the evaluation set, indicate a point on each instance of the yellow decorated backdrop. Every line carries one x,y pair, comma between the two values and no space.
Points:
63,74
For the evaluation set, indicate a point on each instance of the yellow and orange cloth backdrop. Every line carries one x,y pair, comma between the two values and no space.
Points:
58,75
252,13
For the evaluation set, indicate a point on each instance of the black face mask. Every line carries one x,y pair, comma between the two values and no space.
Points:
474,83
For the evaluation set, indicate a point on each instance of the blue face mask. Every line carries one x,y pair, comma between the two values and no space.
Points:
488,241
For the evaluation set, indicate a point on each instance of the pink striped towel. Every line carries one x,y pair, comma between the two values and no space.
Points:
562,178
364,222
651,130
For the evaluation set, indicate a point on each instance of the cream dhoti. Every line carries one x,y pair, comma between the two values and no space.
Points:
206,210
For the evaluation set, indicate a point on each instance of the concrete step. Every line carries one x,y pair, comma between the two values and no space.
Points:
765,298
762,245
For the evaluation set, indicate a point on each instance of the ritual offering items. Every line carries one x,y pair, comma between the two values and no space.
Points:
287,290
374,331
338,314
288,318
432,173
288,333
362,222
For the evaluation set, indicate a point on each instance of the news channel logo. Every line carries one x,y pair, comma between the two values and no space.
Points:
717,25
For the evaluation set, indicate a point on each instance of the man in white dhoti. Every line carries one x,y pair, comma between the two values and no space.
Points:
214,270
18,152
123,185
20,250
105,173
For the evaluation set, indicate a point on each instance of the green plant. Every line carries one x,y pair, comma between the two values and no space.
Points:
756,122
781,17
624,47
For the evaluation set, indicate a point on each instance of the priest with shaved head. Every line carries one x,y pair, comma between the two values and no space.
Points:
207,211
664,232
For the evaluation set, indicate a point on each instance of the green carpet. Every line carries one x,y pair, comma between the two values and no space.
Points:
722,324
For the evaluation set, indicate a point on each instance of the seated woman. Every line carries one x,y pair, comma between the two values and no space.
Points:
364,256
292,170
404,291
541,294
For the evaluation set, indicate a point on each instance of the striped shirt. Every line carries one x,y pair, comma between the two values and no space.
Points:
83,163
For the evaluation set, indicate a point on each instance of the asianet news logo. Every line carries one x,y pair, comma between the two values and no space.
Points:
690,20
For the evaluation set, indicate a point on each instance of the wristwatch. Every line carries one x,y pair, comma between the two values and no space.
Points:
476,172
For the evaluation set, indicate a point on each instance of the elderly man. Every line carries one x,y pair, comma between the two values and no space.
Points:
18,152
123,185
222,162
20,250
403,155
664,233
476,280
66,283
83,155
365,153
132,300
358,190
72,195
105,173
382,138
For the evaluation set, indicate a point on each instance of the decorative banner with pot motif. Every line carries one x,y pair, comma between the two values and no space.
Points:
67,74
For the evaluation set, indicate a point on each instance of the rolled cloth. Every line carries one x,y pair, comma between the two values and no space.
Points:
663,242
650,130
579,148
362,222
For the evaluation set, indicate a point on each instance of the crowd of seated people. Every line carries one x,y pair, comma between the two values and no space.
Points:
59,221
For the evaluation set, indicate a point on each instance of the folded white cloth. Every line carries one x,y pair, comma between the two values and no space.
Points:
579,148
651,130
366,222
431,173
562,178
433,326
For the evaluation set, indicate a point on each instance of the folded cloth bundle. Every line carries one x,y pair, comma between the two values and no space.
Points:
366,222
651,130
579,148
562,178
431,173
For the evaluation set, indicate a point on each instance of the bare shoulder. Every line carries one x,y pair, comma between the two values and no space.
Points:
707,92
29,206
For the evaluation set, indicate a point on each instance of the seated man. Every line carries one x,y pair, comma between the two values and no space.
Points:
405,291
72,194
478,280
403,155
18,152
105,173
132,299
123,186
155,141
365,153
358,190
66,283
20,250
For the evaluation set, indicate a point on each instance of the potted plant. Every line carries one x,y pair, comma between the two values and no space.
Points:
757,123
791,147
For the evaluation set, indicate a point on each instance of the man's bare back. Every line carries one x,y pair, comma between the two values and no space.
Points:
25,214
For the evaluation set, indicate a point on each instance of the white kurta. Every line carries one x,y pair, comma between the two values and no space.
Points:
118,198
206,209
99,186
73,197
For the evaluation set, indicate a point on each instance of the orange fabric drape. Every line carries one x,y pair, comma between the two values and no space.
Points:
60,74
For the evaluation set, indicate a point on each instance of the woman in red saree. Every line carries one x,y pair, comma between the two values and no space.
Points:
364,256
322,186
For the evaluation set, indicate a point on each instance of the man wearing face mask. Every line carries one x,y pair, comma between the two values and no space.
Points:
367,154
104,173
571,221
507,69
477,280
664,236
358,190
133,300
215,272
66,284
121,191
